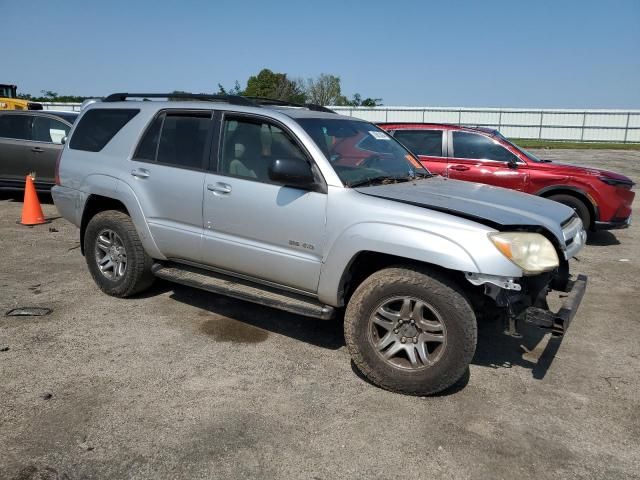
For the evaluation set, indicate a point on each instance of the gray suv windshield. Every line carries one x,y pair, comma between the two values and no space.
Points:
361,152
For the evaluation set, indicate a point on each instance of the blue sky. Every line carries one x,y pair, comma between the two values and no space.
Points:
573,54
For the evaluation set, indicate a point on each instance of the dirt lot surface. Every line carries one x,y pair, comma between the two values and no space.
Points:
178,383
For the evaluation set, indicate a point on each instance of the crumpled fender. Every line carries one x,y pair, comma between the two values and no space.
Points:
402,241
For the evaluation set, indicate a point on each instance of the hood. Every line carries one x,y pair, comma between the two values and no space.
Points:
579,170
494,206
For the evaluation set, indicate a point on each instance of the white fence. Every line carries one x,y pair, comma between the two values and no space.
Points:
66,107
547,124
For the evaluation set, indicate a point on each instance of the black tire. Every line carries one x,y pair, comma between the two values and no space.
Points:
578,205
445,299
136,275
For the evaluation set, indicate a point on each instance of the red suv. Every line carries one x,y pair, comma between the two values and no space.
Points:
602,199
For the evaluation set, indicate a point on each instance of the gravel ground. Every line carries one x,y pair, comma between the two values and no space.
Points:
179,383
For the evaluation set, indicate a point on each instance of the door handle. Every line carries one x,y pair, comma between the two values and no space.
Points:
37,150
219,187
140,173
459,168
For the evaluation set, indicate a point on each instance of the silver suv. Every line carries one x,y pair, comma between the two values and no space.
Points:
297,208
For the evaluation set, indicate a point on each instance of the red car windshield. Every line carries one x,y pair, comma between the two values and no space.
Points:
361,152
529,155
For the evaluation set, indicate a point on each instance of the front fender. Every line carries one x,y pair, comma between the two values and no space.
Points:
401,241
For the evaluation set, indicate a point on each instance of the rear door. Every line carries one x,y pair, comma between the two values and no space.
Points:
15,131
254,226
429,145
479,158
167,175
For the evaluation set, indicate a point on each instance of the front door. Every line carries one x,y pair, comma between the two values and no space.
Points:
254,226
167,175
47,135
429,145
478,158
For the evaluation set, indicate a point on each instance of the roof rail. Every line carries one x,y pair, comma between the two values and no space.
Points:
233,99
283,103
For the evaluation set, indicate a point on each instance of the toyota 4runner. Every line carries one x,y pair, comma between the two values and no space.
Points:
301,209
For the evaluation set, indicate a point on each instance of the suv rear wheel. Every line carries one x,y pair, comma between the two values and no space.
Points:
410,331
115,256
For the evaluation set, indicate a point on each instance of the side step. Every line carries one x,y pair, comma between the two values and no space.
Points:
242,289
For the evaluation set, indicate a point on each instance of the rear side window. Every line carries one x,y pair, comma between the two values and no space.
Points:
421,142
176,138
149,144
16,126
49,130
98,126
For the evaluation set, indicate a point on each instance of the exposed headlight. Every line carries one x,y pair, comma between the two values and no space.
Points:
532,252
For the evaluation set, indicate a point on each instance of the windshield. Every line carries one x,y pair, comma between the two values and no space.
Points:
7,91
69,117
529,155
361,152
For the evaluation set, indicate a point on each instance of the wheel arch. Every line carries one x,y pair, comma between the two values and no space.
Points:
367,262
574,192
94,205
372,246
123,199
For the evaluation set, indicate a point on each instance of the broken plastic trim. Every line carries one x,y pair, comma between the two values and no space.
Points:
508,283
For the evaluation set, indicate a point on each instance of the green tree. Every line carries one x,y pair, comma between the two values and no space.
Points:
236,90
358,101
274,85
177,92
324,90
51,96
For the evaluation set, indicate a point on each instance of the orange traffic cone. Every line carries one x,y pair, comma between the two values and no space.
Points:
31,209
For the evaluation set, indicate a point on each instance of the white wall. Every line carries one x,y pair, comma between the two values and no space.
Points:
548,124
66,107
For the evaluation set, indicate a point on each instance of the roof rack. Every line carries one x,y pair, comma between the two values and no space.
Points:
283,103
233,99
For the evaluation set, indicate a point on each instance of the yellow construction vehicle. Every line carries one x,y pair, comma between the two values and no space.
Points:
9,99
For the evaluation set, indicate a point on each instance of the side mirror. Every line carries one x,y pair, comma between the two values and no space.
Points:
292,172
63,140
512,164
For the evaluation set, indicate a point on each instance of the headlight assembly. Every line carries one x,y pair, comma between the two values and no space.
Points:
532,252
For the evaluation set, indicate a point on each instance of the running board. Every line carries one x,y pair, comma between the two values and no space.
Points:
242,289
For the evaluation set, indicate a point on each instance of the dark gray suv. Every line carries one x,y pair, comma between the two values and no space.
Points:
31,142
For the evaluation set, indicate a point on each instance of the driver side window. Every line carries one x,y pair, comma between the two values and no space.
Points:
249,146
479,147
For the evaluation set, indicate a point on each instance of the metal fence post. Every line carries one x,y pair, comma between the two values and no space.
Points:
584,120
626,128
540,129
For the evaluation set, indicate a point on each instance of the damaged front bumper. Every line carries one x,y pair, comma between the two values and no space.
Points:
525,299
558,323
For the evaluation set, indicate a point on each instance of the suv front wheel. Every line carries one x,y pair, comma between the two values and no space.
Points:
115,255
410,331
